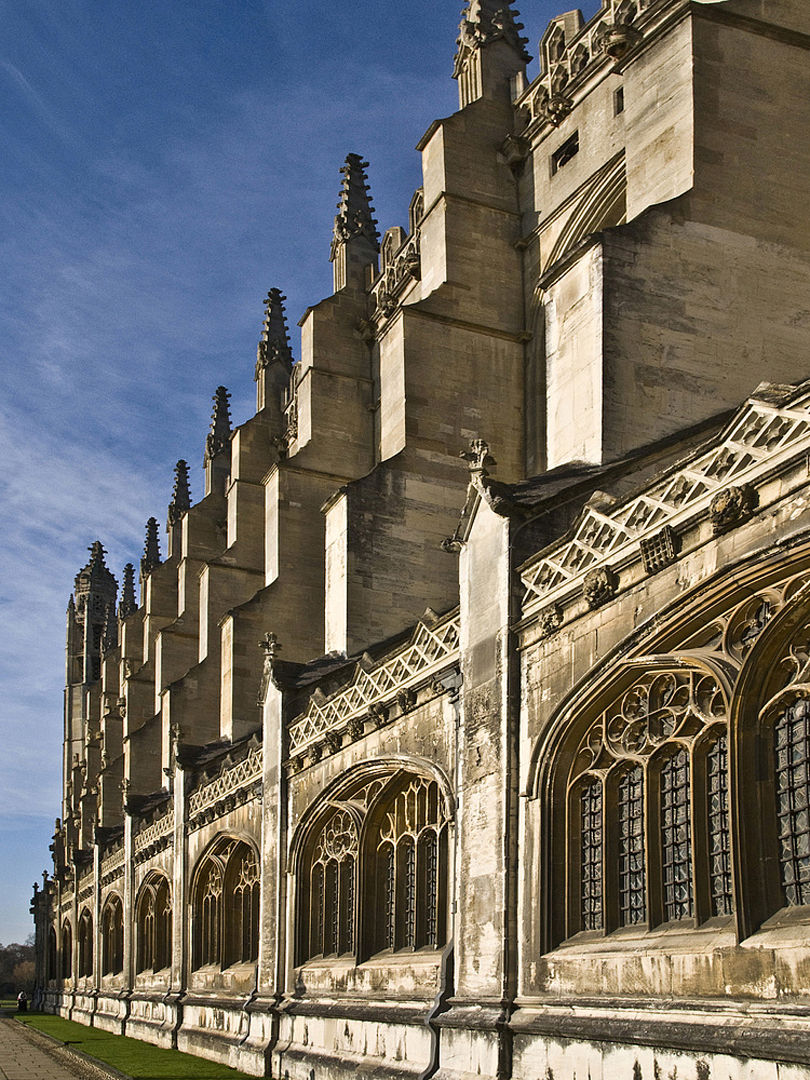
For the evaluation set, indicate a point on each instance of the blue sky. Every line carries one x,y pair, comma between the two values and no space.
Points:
163,163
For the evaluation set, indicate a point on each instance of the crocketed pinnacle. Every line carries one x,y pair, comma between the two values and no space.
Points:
275,342
485,21
181,496
355,212
128,603
151,549
219,437
110,636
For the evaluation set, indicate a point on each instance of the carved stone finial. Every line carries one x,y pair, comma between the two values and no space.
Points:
219,437
151,548
478,456
128,603
355,212
94,578
274,346
271,647
181,496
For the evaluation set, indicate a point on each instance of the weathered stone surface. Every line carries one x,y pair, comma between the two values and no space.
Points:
529,801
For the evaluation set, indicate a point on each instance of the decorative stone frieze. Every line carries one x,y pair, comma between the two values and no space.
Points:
239,783
759,440
155,837
430,649
567,63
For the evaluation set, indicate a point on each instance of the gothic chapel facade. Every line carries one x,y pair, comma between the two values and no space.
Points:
517,782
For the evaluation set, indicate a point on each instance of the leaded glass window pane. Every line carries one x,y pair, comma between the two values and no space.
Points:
591,879
719,839
632,872
676,845
792,739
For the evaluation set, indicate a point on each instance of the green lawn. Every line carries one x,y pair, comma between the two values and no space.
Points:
137,1059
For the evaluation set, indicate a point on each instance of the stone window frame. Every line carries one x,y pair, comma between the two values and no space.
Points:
112,935
366,796
153,924
85,936
225,897
774,678
577,912
52,970
66,966
765,662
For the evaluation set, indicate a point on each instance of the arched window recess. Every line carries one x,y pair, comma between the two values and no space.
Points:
225,926
636,784
770,723
112,936
153,925
371,865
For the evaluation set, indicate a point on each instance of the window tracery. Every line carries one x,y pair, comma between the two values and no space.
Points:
154,925
226,906
375,870
792,751
631,834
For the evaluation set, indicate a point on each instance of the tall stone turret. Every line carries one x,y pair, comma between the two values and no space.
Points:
217,461
490,51
95,590
355,242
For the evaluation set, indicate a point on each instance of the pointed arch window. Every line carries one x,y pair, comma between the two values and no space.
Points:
792,753
153,917
112,935
226,906
53,964
67,950
635,854
85,944
373,876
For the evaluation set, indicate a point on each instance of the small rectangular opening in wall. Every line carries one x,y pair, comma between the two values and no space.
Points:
563,154
618,101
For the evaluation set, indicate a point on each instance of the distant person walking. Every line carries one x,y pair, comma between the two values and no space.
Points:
22,1002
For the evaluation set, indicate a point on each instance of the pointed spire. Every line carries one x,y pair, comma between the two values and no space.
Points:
219,437
128,603
151,549
275,343
181,496
484,21
355,212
